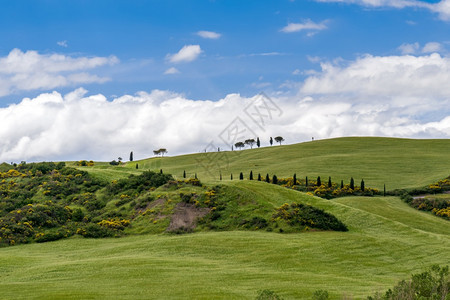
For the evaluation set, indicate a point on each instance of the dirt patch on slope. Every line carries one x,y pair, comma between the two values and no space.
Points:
185,217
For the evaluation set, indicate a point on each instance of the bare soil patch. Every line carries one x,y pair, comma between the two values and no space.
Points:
185,217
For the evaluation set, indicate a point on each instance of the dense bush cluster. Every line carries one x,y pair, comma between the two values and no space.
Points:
428,201
327,190
431,284
306,216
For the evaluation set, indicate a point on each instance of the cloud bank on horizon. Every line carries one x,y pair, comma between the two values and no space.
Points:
331,71
371,96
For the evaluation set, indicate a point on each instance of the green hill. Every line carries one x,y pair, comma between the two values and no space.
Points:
387,241
398,163
232,254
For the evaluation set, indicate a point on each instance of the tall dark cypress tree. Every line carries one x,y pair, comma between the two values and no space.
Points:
241,176
267,178
160,171
330,184
294,179
384,190
251,175
258,143
306,182
362,185
259,176
271,141
137,167
231,176
319,182
184,173
131,156
274,179
196,176
352,183
220,176
342,184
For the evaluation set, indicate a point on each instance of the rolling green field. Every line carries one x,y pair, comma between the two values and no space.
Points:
398,163
387,240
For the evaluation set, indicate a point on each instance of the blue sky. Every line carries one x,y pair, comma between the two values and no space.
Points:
303,51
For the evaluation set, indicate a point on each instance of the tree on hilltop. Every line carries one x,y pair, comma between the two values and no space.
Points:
279,139
250,142
271,141
131,156
258,143
239,145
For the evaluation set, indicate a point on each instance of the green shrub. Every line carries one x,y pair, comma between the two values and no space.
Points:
268,295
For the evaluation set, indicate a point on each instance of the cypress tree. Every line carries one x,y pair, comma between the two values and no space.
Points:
342,184
241,176
137,167
271,141
274,179
330,184
259,176
294,179
362,185
131,156
319,182
267,178
196,176
352,183
306,181
231,177
184,174
258,143
251,175
220,176
384,190
160,171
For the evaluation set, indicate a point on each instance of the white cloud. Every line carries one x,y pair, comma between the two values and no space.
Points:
171,71
209,34
382,96
415,48
390,76
409,48
432,47
308,25
442,8
62,44
186,54
296,72
30,70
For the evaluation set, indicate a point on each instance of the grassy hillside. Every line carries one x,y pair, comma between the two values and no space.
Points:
387,242
398,163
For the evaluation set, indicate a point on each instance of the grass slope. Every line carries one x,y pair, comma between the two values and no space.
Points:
387,242
398,163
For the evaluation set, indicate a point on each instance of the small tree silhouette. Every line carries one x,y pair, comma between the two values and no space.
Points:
251,175
342,184
279,139
294,179
250,142
184,174
241,176
258,143
271,141
267,178
274,179
362,185
239,145
319,182
259,176
131,156
137,167
352,183
330,184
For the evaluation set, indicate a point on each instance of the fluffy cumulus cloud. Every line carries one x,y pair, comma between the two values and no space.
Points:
171,71
402,96
416,48
442,8
22,71
186,54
